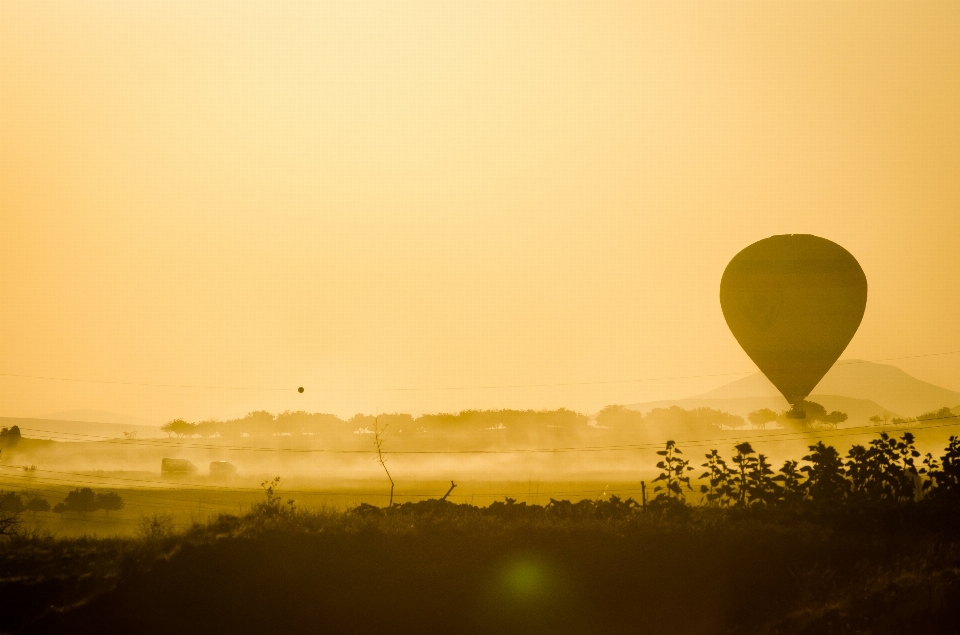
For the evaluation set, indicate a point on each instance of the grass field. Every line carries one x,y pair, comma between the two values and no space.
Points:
199,501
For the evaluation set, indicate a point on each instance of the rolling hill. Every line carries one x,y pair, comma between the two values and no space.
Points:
857,387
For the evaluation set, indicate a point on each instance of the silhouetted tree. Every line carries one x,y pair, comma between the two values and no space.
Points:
9,437
81,501
11,506
760,418
617,416
209,428
11,503
109,502
815,412
935,415
180,428
834,418
36,503
880,420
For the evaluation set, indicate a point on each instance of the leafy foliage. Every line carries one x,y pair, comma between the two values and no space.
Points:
9,437
11,503
273,506
674,474
617,416
791,483
743,463
826,482
155,527
761,486
760,418
718,491
109,502
885,471
36,503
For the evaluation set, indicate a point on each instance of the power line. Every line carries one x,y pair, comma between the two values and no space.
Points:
757,436
143,384
446,388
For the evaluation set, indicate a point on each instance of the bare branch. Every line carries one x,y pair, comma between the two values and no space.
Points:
452,485
378,442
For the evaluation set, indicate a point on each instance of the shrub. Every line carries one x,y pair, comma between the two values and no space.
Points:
273,506
155,527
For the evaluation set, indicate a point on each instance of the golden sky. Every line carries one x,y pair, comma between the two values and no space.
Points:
358,196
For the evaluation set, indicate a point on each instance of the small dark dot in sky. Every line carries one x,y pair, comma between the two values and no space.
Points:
300,389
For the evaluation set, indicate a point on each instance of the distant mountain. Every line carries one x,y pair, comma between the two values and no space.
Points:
97,416
885,385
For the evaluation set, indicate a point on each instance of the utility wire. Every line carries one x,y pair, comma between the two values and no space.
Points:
758,436
445,388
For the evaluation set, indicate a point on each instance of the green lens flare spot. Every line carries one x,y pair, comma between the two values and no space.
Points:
526,580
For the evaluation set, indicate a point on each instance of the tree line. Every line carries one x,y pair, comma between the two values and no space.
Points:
81,501
693,421
263,423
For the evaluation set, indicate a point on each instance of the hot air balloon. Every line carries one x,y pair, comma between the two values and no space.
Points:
793,302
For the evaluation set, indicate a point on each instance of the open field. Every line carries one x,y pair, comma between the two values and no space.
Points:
200,502
335,475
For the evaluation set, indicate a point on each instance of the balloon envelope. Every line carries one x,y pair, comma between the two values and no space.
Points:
793,302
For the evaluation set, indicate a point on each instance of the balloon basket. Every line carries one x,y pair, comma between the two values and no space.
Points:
796,413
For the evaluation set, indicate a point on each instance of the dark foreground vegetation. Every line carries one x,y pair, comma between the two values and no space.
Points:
869,543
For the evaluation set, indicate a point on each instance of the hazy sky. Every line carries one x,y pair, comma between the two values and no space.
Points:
358,196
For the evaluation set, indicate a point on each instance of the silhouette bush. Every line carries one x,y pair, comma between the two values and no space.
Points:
155,527
83,501
11,506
